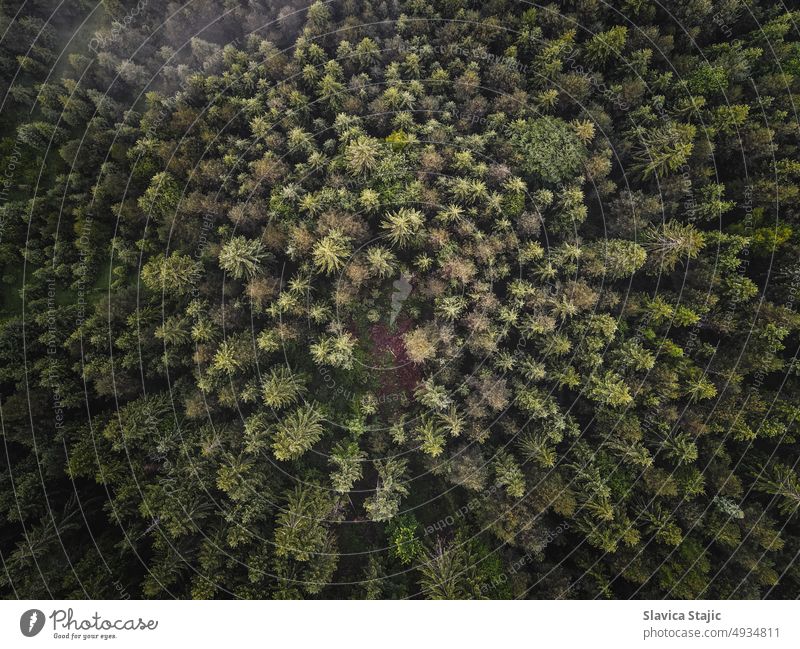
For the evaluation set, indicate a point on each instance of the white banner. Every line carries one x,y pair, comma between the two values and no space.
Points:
400,625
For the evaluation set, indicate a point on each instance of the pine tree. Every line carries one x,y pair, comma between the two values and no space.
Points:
242,257
297,432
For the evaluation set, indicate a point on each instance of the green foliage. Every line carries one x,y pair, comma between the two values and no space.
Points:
405,542
707,79
385,301
282,387
331,252
301,532
614,258
176,274
402,225
549,148
160,200
242,257
391,487
297,432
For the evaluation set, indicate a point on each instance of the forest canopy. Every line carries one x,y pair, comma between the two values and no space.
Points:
432,299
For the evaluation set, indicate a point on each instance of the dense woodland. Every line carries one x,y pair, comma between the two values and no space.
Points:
399,299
